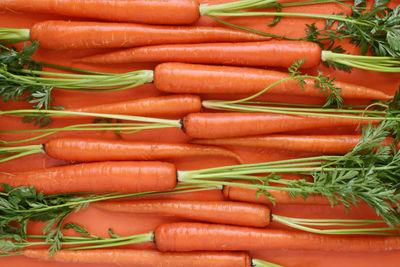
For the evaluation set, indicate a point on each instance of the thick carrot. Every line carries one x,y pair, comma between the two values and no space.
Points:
327,144
149,106
122,176
281,197
201,236
270,53
225,212
89,149
171,12
178,78
61,35
220,125
145,258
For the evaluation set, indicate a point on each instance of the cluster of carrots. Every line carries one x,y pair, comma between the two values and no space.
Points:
189,64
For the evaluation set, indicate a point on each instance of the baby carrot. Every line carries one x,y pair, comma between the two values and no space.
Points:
201,236
99,177
149,106
178,78
327,144
271,53
225,212
63,35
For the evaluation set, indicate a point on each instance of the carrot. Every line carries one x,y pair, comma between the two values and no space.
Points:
270,53
224,212
88,149
201,236
63,35
145,258
219,125
246,194
326,144
178,78
149,106
150,12
105,176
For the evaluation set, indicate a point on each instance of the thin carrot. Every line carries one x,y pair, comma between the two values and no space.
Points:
63,35
224,212
246,194
201,236
270,53
172,12
87,149
145,258
178,78
149,106
326,144
218,125
100,177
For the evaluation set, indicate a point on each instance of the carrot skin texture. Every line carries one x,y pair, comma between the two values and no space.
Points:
326,144
169,105
224,212
63,35
177,77
172,12
145,258
121,176
245,194
88,149
268,53
202,236
232,124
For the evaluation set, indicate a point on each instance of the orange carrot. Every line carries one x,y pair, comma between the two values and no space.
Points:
61,35
270,53
281,197
171,12
88,149
149,106
220,125
122,176
326,144
224,212
201,236
178,78
145,258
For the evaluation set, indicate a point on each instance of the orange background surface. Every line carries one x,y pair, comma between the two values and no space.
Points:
97,221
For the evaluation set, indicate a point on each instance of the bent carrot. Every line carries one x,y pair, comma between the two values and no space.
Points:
88,149
201,236
122,176
149,106
219,125
270,53
178,78
62,35
145,258
246,194
225,212
326,144
150,12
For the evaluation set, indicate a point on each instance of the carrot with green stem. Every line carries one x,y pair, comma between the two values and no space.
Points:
91,149
67,35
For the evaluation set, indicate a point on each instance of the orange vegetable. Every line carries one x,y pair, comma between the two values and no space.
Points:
326,144
88,149
149,12
269,53
145,258
61,35
225,212
178,78
201,236
121,176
